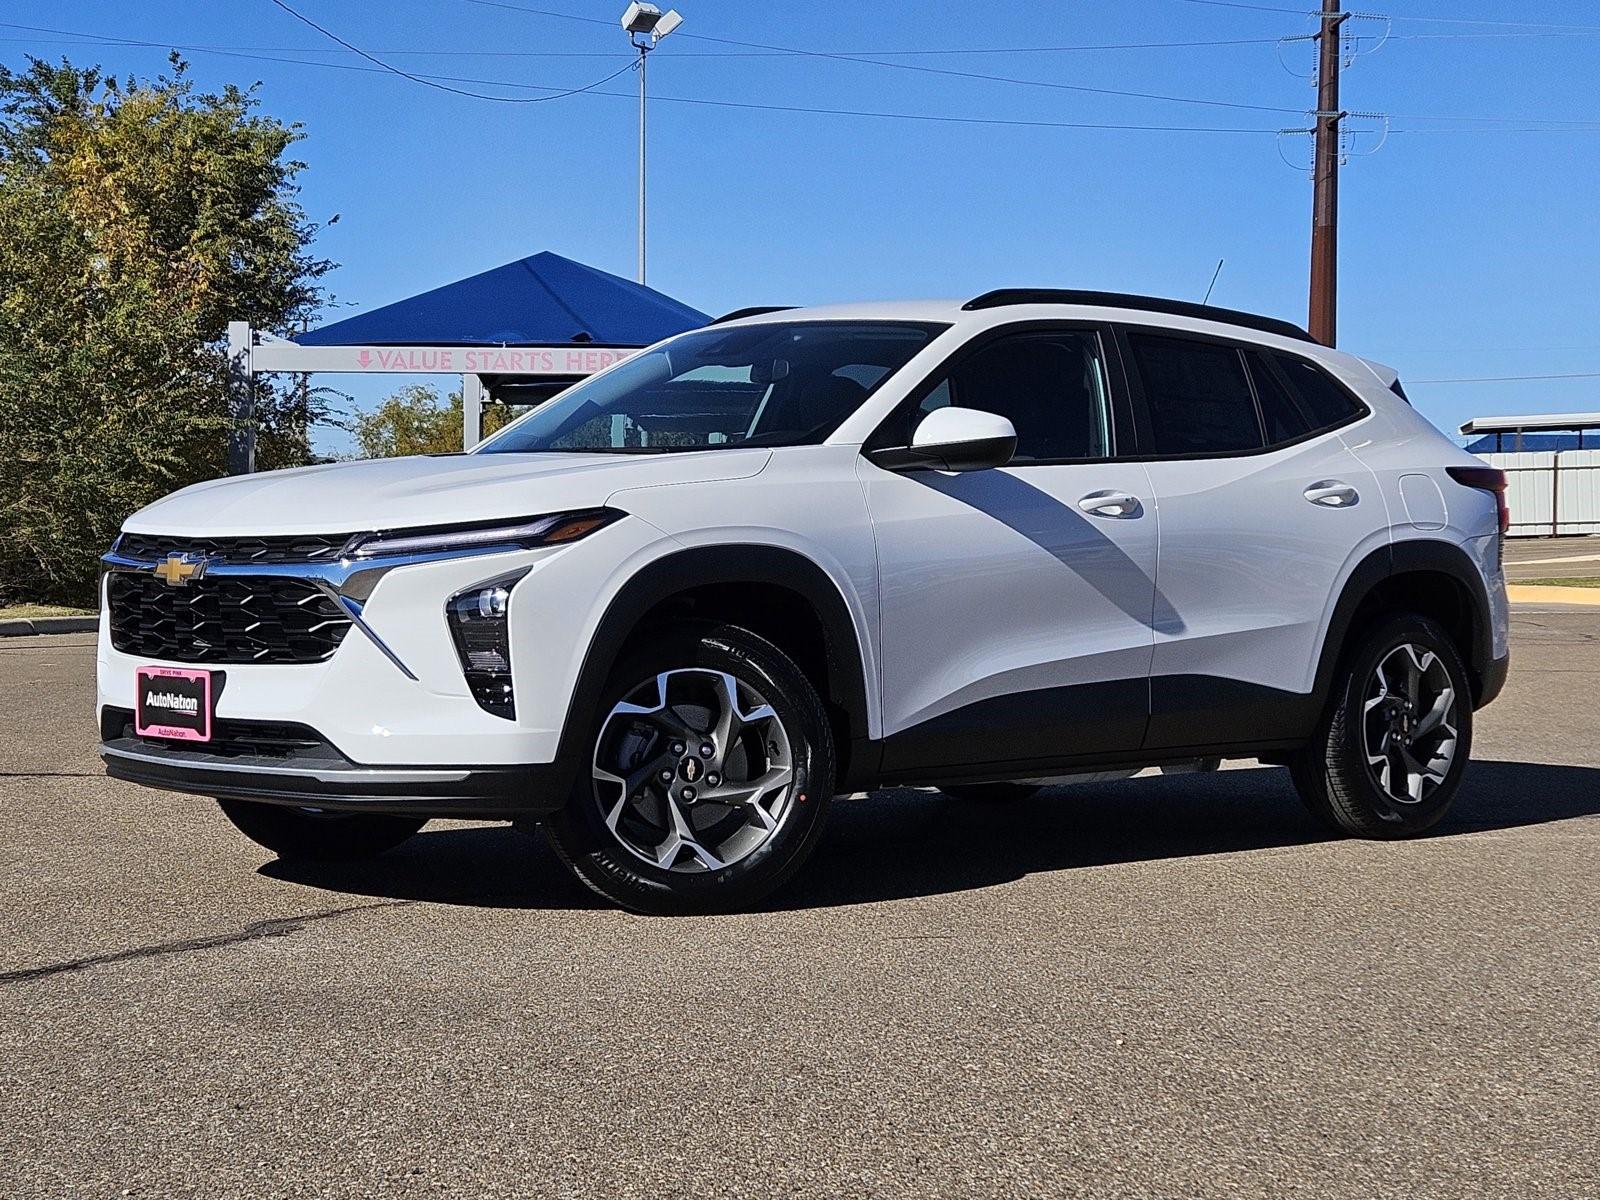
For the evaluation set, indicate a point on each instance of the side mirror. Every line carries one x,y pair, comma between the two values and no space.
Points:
954,439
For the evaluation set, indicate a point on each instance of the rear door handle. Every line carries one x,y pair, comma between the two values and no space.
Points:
1111,504
1332,493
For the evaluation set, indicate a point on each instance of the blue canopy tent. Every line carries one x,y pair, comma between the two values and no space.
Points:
516,334
541,300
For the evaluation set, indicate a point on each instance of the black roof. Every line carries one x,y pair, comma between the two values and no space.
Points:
1002,297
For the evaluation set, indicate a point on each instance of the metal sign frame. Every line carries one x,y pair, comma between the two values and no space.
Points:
252,352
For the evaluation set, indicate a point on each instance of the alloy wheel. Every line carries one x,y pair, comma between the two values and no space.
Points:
693,771
1409,723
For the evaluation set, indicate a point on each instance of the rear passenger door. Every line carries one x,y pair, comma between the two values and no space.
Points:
1263,510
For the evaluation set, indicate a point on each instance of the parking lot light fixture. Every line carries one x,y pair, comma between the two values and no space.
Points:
646,25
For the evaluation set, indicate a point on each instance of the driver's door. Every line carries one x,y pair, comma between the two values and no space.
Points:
1016,604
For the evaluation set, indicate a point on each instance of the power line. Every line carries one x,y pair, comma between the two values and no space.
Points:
851,112
924,52
545,12
1504,33
428,82
68,37
1496,24
1499,124
1014,80
1303,12
764,49
1297,12
921,68
947,50
841,56
1509,378
736,104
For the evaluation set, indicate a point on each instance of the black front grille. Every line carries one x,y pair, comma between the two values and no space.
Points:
292,549
223,619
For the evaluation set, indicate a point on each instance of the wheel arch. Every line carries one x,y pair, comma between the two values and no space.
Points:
1437,579
776,592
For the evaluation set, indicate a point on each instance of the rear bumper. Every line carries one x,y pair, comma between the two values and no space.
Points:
1493,679
463,793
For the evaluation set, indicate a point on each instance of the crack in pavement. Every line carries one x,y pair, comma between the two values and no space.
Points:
270,928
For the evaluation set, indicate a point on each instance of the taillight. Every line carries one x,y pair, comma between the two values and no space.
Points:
1488,479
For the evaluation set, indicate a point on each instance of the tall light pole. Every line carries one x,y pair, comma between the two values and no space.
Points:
646,26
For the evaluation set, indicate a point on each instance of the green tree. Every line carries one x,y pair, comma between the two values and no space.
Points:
136,219
414,420
411,421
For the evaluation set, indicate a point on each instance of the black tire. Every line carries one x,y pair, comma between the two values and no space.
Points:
304,834
609,865
1333,775
991,793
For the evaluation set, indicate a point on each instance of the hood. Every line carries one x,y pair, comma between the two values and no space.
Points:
403,493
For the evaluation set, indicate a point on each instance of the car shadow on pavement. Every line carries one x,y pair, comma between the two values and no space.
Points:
900,844
487,866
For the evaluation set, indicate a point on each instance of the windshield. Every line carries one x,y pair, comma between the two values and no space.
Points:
773,384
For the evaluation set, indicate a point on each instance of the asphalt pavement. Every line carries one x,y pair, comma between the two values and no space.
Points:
1552,558
1169,986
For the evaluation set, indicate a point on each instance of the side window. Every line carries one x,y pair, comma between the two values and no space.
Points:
1198,395
1324,400
1281,412
1050,385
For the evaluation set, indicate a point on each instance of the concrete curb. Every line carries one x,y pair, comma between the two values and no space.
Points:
29,626
1527,593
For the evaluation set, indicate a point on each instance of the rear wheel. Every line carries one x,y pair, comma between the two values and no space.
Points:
709,774
316,834
1388,757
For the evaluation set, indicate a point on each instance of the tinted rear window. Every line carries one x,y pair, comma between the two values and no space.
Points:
1324,401
1285,418
1198,396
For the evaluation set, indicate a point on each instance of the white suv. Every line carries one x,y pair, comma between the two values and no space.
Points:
670,613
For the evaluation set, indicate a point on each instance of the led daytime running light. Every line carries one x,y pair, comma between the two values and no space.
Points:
541,531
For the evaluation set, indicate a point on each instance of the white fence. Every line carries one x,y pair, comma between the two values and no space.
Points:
1552,491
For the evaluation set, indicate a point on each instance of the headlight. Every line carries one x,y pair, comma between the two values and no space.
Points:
525,533
482,636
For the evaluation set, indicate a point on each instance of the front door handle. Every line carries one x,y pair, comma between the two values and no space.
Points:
1111,504
1332,493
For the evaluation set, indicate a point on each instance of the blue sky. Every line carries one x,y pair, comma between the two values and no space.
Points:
1469,241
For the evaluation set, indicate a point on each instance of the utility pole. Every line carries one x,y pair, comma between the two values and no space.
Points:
1325,180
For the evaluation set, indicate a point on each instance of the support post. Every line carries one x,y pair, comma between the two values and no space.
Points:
241,400
471,411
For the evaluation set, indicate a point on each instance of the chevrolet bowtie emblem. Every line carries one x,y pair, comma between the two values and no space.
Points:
176,570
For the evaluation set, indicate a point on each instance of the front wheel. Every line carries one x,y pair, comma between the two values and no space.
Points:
316,834
1388,757
707,779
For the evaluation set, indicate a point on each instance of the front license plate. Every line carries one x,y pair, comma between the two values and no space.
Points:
173,703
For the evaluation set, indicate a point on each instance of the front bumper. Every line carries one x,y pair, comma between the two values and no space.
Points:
462,793
393,694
